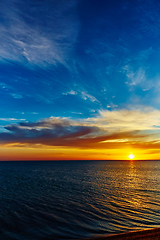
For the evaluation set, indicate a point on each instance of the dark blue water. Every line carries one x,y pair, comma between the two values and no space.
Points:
77,199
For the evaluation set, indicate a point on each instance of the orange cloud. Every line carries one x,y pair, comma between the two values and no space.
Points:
110,130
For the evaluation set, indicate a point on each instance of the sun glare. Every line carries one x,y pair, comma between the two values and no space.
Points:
131,156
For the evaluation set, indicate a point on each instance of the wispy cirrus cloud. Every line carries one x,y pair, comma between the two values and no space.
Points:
71,92
86,96
16,96
12,119
135,78
83,94
150,20
25,38
142,73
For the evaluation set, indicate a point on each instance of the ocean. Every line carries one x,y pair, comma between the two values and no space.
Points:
77,199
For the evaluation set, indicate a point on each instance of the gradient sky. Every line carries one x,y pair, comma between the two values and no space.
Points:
79,79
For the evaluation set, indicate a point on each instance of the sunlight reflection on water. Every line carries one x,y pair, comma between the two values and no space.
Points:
66,200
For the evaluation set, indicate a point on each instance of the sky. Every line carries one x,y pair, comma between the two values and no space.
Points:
79,80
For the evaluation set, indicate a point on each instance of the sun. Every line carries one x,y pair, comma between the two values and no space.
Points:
131,156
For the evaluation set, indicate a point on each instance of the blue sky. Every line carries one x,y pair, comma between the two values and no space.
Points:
84,62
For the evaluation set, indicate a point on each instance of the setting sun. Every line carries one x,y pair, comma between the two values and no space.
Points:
131,156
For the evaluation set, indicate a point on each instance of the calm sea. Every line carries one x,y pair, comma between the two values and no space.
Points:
77,199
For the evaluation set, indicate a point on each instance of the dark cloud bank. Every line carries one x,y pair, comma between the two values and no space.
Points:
64,132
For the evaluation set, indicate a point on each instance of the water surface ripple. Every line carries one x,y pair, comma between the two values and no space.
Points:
77,199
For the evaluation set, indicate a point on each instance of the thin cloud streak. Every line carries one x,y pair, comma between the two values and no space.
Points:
36,44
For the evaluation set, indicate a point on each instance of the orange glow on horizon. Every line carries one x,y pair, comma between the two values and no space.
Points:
41,152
